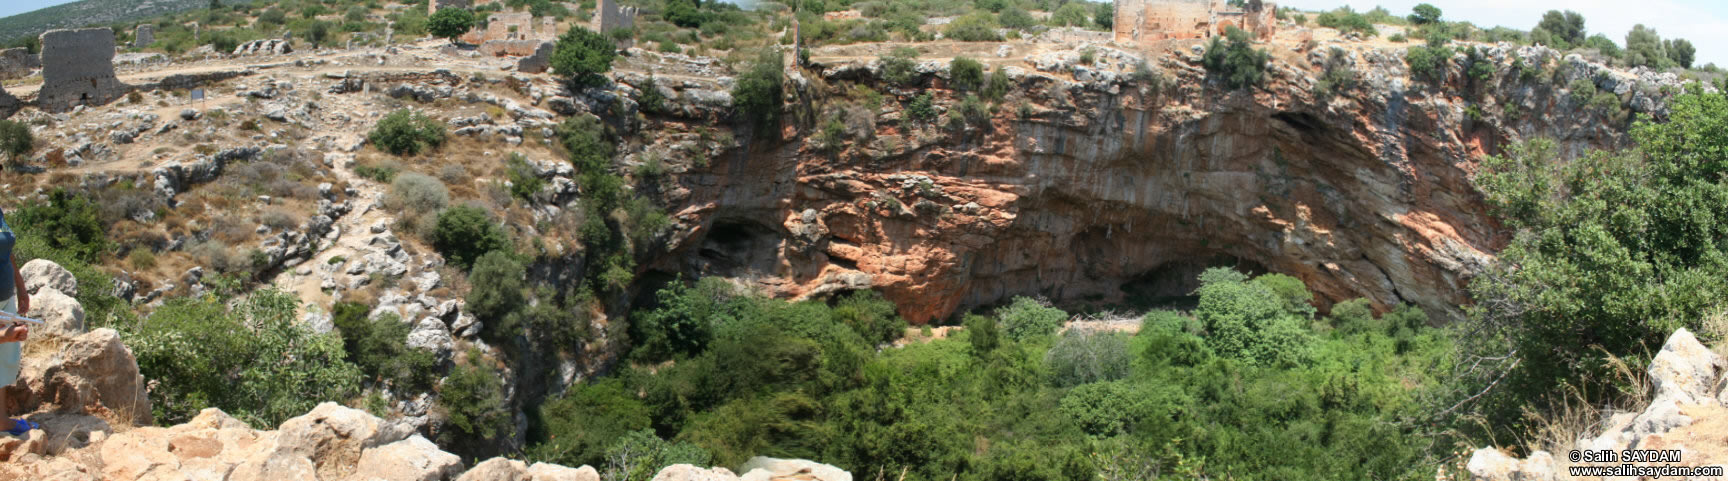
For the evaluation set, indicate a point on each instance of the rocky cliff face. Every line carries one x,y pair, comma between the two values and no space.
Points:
1089,184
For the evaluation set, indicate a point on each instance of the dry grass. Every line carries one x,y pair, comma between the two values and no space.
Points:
1570,416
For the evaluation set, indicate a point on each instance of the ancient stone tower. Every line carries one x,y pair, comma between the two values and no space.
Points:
1153,20
435,5
78,69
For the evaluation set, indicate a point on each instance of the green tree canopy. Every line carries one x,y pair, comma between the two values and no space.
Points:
582,55
450,23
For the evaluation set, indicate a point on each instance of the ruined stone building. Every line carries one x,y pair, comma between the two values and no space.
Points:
515,34
17,63
78,69
143,36
1153,20
609,15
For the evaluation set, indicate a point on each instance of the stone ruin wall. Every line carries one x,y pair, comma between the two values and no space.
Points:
1153,20
609,15
17,63
78,69
539,62
508,26
144,36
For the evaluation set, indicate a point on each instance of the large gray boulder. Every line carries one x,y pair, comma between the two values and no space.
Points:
42,273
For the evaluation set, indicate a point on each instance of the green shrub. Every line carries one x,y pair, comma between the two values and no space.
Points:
1101,409
982,333
997,86
16,140
1429,63
414,193
496,295
973,27
1070,15
1087,357
590,418
872,317
1248,320
900,66
67,222
682,324
1236,60
651,100
524,181
1025,318
1424,14
464,233
1015,18
965,74
640,455
759,95
472,402
450,23
582,55
1346,21
377,347
922,109
1582,280
253,360
407,132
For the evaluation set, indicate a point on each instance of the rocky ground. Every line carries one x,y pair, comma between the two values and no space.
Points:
1686,412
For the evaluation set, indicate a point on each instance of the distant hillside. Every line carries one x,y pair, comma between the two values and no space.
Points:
88,12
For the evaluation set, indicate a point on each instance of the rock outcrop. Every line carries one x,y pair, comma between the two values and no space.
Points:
1102,183
1686,412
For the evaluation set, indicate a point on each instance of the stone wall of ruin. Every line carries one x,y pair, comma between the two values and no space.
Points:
144,36
1152,20
608,15
17,63
78,69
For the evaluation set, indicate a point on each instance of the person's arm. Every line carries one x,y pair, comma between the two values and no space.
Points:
18,283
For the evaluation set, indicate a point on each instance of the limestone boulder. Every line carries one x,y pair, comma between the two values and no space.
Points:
323,444
497,469
554,472
412,459
762,468
61,315
42,273
94,372
686,472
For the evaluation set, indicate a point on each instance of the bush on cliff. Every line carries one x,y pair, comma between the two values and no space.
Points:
464,233
376,347
1236,60
407,132
580,426
15,140
759,94
581,55
471,400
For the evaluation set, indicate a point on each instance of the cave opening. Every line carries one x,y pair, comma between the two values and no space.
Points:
1171,285
738,246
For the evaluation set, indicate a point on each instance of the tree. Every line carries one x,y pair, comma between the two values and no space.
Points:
977,26
16,139
472,402
1015,18
407,132
1680,51
580,426
1425,14
375,345
1566,26
450,23
685,13
1084,357
582,55
1610,253
982,334
1644,48
1236,60
464,233
759,94
1070,15
1025,318
496,295
1603,45
900,66
965,74
1104,14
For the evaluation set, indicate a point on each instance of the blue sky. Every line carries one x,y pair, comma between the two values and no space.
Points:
1704,22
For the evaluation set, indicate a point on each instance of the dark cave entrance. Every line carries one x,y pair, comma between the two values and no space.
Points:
1171,285
735,247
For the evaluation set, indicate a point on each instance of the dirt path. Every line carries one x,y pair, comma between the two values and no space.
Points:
353,232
